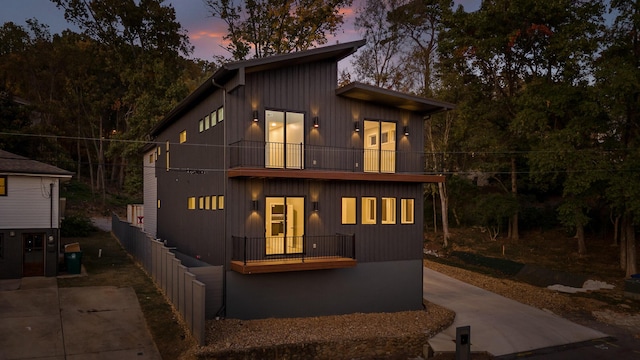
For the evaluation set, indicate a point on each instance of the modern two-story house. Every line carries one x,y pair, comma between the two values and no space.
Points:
309,195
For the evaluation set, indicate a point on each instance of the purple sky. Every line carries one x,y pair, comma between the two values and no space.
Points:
205,32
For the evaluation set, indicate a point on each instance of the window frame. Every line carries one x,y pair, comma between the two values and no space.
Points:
369,211
4,189
388,213
346,218
404,213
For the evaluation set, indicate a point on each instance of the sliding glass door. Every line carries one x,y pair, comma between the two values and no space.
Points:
284,140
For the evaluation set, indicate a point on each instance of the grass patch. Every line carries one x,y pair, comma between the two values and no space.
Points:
504,266
117,268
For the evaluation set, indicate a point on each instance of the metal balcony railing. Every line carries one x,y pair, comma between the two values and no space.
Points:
265,249
260,154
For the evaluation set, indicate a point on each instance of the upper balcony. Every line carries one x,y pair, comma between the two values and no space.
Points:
280,160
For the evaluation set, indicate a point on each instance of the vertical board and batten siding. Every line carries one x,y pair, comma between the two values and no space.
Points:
150,193
28,204
197,169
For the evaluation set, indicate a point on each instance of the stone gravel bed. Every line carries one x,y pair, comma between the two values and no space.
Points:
375,335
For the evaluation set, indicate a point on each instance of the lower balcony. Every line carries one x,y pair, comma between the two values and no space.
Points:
258,255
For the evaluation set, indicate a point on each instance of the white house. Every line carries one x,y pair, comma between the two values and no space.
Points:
29,216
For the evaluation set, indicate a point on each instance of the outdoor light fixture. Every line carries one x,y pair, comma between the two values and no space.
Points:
356,126
254,205
316,123
314,205
406,131
255,116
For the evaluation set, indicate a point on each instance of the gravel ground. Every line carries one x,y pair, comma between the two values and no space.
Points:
229,334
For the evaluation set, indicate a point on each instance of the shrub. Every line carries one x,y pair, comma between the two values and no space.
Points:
76,226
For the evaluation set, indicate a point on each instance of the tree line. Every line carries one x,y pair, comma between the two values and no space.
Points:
546,129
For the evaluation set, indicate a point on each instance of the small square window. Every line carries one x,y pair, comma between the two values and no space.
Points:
191,203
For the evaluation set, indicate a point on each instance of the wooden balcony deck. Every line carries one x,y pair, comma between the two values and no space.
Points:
285,265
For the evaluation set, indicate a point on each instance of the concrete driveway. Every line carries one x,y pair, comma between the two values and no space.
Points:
40,321
499,326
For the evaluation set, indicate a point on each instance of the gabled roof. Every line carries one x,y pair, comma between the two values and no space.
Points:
229,70
11,163
397,99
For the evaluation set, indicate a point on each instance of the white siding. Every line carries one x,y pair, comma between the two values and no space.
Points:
28,203
150,193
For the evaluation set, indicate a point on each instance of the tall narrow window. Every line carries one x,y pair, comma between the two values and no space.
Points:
191,203
158,203
221,202
213,118
220,114
167,151
284,140
407,211
388,210
368,210
207,202
3,186
207,122
214,202
379,146
201,125
183,136
348,210
201,203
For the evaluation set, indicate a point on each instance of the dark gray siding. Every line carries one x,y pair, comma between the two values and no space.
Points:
373,287
196,169
375,242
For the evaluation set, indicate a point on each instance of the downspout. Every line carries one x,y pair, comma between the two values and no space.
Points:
223,309
46,241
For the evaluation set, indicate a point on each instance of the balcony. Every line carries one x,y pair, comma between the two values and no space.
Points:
256,255
264,159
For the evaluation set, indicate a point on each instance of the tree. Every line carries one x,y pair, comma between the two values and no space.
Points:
618,82
269,27
501,48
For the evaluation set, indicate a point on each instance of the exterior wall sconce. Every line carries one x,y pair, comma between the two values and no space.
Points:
356,126
255,116
316,122
406,131
254,205
314,205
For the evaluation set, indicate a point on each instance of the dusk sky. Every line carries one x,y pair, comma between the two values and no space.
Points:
205,32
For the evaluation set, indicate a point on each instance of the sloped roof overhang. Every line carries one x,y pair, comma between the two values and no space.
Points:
375,94
228,71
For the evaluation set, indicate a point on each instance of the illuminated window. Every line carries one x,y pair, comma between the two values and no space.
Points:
150,158
201,203
191,203
406,216
207,122
368,210
158,203
220,202
348,210
167,150
207,202
3,186
213,117
183,136
388,210
159,150
214,202
201,125
220,114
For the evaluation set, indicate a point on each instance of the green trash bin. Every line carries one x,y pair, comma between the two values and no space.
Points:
73,261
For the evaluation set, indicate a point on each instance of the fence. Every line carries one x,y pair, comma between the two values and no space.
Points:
180,283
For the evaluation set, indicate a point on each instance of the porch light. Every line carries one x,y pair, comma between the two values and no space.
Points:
255,116
406,131
254,205
356,126
314,205
316,123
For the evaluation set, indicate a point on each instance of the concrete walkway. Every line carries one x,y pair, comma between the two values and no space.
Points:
499,326
40,321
